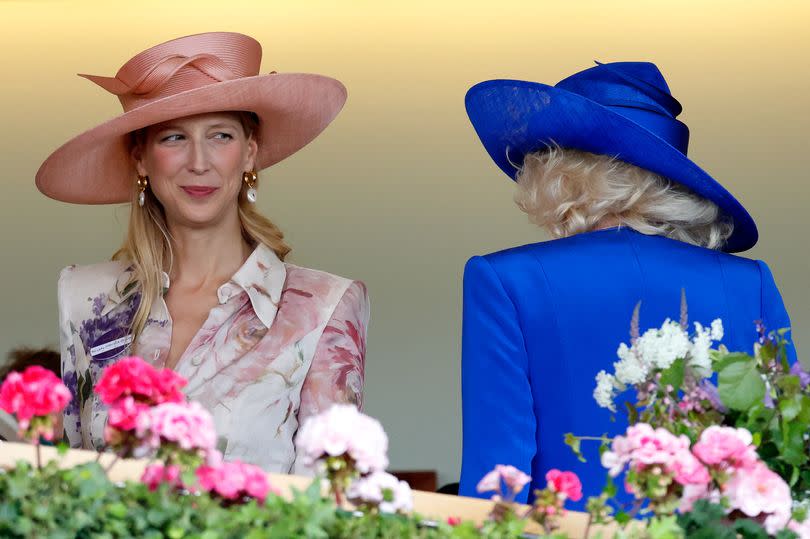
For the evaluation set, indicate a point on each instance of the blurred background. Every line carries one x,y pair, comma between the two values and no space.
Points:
398,192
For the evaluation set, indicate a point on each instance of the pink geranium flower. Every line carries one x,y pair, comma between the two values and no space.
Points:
510,476
802,529
758,491
689,470
643,447
124,413
235,480
726,448
167,386
34,393
381,490
156,474
566,484
134,377
188,425
343,430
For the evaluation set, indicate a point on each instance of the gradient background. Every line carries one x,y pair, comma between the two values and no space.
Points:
398,191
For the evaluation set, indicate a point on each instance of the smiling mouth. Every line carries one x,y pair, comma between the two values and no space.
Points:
198,191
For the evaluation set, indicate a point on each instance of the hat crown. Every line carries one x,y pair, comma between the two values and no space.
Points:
625,84
183,64
636,91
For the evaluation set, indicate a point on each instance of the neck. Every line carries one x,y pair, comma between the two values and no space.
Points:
610,221
207,256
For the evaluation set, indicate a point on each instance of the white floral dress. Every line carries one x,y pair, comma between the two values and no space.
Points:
284,343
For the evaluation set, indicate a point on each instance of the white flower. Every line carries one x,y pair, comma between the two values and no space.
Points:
382,490
631,370
659,348
717,330
699,359
604,391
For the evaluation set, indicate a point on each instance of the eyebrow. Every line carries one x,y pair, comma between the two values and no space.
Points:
166,127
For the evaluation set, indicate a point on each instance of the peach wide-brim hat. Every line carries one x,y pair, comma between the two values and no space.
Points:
211,72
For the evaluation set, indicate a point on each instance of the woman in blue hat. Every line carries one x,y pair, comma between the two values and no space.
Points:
600,161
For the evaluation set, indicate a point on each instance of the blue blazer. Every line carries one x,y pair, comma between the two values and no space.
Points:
541,320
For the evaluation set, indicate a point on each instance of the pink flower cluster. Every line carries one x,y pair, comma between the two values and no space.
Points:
234,481
130,387
746,482
35,394
726,448
723,463
156,474
510,476
566,484
185,424
134,377
383,491
343,430
646,448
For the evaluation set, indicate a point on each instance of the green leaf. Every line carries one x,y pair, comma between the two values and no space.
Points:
673,375
725,360
62,448
740,384
574,443
750,529
622,518
665,527
791,407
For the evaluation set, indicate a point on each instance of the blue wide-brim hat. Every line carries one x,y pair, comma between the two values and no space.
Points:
621,109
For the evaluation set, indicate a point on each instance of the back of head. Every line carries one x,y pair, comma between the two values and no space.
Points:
21,358
571,191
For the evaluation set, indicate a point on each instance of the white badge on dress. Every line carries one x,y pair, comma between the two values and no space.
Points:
111,345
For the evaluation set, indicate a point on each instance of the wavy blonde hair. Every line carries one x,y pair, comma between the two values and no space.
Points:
147,246
571,191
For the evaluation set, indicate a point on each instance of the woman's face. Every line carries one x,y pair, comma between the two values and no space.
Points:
195,166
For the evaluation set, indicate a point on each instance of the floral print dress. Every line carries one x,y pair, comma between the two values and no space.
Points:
284,343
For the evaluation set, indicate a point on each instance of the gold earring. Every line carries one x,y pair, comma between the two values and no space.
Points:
250,180
143,182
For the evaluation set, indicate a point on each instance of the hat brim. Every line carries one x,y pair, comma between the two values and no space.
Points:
513,118
95,167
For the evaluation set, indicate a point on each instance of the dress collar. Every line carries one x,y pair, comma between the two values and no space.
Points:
262,277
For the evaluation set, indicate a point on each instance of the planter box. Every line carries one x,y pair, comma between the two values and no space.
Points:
428,504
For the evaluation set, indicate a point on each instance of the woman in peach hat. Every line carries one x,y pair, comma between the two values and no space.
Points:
199,284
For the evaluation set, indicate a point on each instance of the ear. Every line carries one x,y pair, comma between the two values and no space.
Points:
252,153
137,158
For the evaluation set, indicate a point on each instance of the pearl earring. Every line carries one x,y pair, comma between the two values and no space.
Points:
250,180
143,182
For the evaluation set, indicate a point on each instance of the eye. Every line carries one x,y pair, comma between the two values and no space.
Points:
171,138
223,136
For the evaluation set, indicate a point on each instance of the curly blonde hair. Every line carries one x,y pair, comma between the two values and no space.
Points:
571,191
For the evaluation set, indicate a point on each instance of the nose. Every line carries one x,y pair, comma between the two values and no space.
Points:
198,161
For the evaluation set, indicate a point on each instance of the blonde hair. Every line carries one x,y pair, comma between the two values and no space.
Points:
571,191
148,244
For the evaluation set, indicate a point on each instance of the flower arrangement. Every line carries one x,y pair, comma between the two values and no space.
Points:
713,436
717,446
187,489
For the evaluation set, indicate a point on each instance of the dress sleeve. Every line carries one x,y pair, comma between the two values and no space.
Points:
498,416
337,370
67,346
774,314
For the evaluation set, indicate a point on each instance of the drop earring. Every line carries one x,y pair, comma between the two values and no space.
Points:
143,182
250,180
